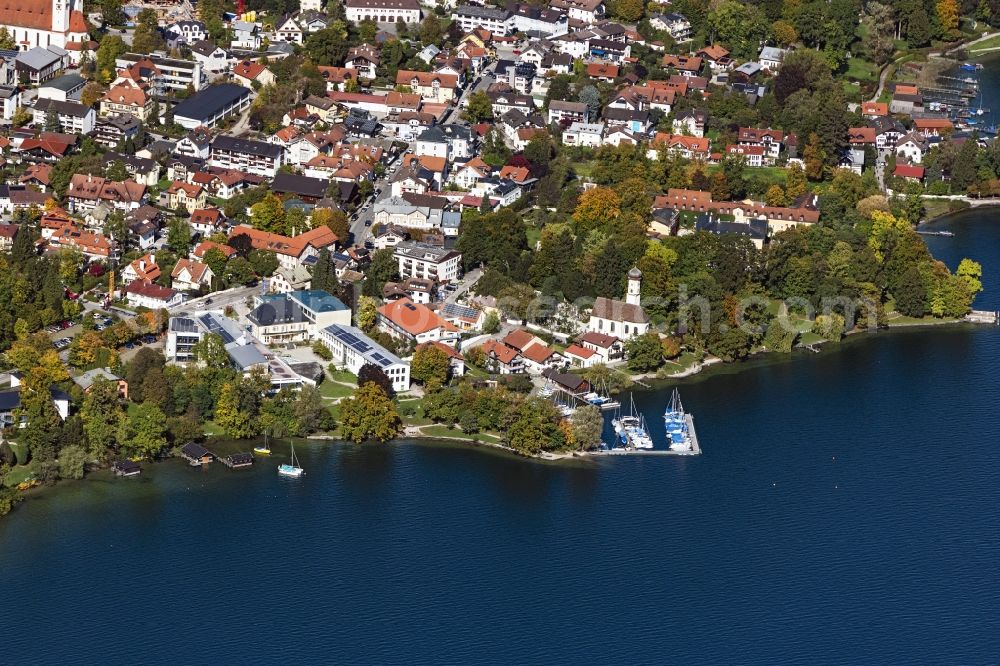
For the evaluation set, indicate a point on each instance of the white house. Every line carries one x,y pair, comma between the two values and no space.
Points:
587,135
143,294
427,261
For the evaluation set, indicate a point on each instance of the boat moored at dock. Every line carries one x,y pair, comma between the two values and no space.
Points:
681,437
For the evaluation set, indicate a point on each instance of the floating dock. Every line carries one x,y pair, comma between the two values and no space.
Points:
983,317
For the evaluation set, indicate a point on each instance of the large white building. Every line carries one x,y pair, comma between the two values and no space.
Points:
427,261
43,23
352,349
383,11
497,21
296,316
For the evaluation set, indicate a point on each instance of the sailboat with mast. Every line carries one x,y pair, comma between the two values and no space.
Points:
263,449
678,425
631,428
292,470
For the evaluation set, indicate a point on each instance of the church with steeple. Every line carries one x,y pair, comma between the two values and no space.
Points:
622,319
43,22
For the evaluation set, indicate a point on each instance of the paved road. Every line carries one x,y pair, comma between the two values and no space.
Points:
235,297
465,284
359,229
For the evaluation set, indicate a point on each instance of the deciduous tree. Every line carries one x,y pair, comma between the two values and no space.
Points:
369,414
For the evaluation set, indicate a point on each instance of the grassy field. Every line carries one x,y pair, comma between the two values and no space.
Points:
333,390
445,431
991,43
16,475
860,69
343,376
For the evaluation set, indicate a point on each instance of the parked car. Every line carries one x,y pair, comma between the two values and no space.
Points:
148,339
129,345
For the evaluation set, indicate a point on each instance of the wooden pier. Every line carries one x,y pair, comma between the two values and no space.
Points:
983,317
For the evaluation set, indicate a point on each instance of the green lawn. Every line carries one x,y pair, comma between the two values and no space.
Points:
679,364
343,376
860,69
533,233
584,169
212,428
16,475
333,390
991,43
444,431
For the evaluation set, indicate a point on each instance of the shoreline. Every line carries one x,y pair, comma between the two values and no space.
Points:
413,434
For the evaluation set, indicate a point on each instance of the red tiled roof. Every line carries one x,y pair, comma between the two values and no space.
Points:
502,352
907,171
201,248
414,318
578,351
150,290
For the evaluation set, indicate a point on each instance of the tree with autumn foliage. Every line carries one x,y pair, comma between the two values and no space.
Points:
813,157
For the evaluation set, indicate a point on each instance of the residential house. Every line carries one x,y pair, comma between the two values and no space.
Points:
768,139
607,347
183,196
143,294
256,157
688,147
296,316
717,57
912,147
497,21
352,350
115,130
538,356
143,268
85,192
189,275
71,117
415,322
87,380
565,113
290,251
365,59
911,173
586,135
246,73
771,57
581,357
501,359
676,24
581,12
211,57
431,87
185,32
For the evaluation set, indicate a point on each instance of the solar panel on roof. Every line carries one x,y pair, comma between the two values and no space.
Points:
209,322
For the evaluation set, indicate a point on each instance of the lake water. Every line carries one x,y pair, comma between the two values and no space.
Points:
845,509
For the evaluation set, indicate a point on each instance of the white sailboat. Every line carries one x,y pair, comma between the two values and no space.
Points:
676,422
292,470
631,428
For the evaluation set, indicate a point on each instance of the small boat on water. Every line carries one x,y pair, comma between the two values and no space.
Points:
631,428
292,470
676,421
263,449
971,66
